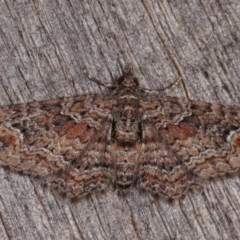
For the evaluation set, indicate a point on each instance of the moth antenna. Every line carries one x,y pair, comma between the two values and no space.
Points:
91,78
170,85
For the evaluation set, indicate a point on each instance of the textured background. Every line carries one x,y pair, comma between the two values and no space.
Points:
43,47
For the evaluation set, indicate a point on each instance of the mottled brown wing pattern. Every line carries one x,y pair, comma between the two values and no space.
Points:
186,142
56,138
91,170
131,137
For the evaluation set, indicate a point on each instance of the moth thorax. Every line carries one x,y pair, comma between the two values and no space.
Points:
128,81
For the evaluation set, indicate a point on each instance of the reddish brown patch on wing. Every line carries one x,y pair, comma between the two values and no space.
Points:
236,141
150,134
7,137
178,132
72,130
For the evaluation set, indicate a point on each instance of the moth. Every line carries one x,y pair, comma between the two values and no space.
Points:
82,144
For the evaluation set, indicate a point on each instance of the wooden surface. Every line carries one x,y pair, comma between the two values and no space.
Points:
43,47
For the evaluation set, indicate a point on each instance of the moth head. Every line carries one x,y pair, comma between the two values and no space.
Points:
128,81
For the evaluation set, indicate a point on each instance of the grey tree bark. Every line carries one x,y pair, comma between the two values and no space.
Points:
44,46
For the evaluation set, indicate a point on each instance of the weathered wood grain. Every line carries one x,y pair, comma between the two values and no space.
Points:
43,47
